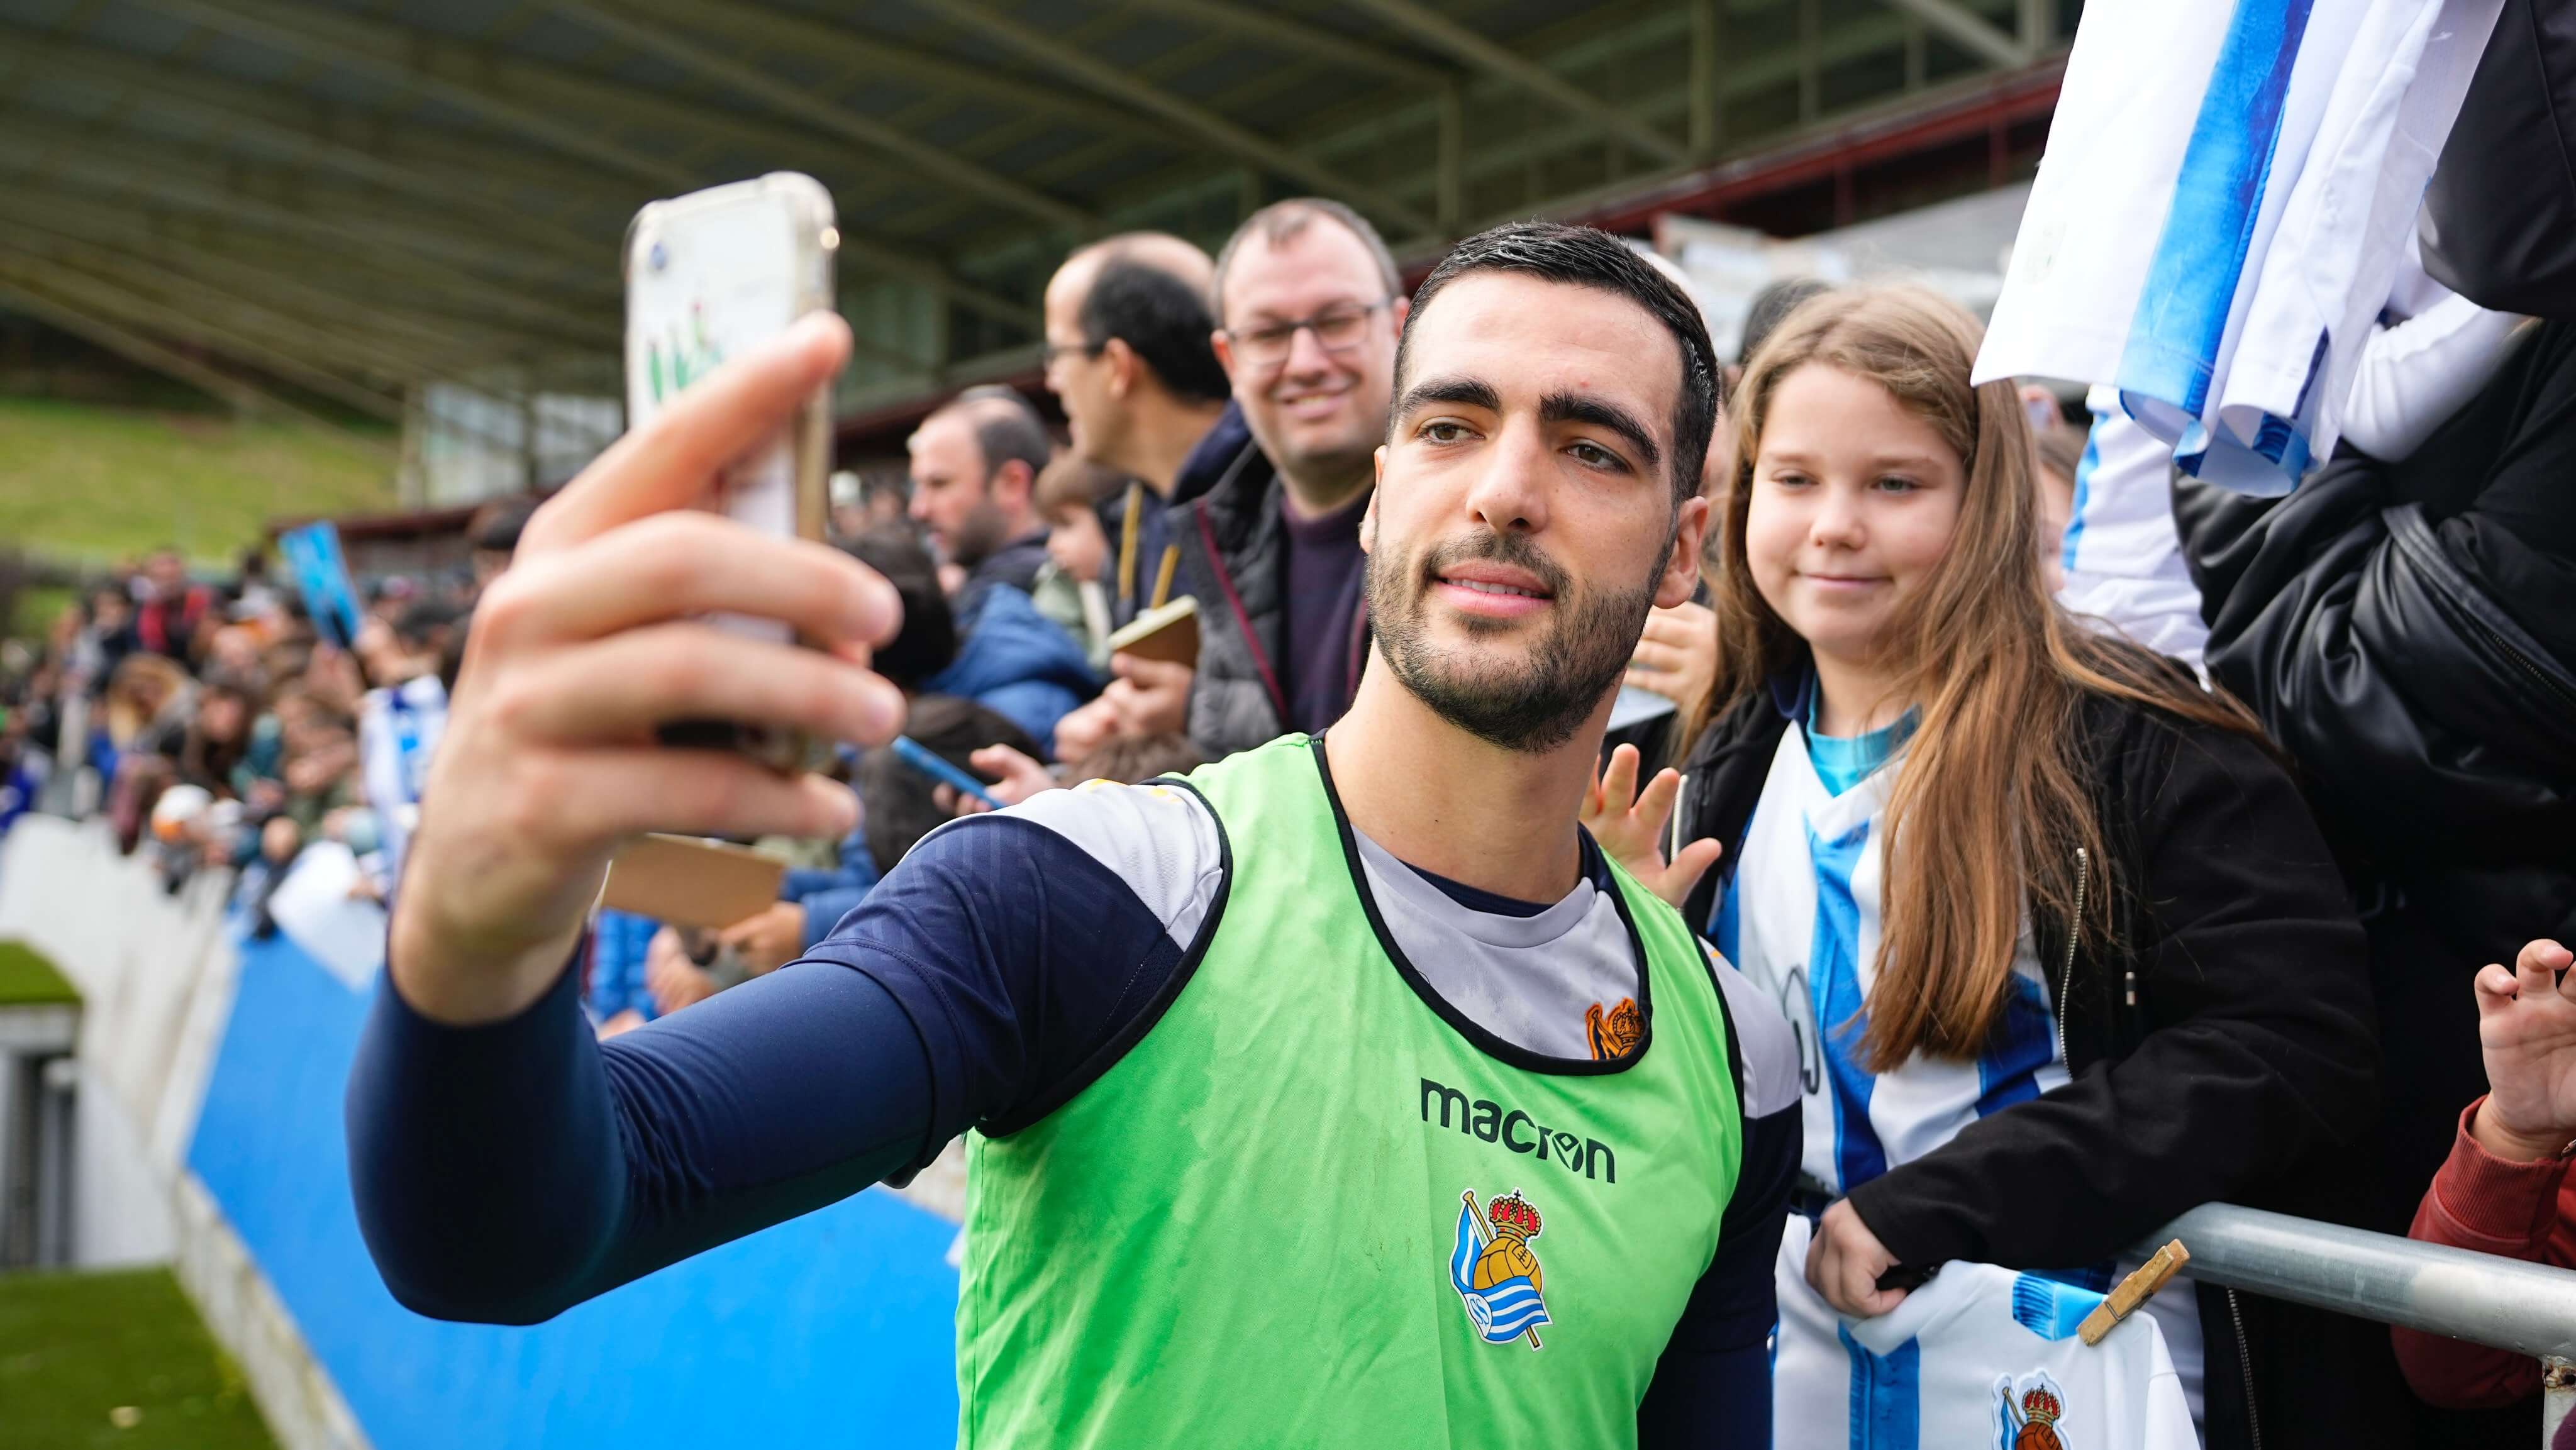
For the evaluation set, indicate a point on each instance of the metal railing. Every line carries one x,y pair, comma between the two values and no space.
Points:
2504,1303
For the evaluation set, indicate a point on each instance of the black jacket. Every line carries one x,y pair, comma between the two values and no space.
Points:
1234,557
2225,1036
2406,631
2500,215
2408,634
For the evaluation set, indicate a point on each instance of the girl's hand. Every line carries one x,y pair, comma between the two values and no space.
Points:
1844,1262
1630,827
2527,1031
1677,655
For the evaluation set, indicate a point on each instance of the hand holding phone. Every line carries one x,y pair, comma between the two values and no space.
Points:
594,638
930,763
708,276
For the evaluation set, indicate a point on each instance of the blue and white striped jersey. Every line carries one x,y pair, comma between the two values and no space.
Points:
2220,212
1979,1357
1801,920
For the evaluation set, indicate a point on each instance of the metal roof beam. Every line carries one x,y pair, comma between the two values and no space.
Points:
242,116
369,339
568,110
766,89
868,53
491,88
327,235
1205,126
1742,75
1966,29
414,60
1314,41
28,295
414,302
122,299
178,174
1510,65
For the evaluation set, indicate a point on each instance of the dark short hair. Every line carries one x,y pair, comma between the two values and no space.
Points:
1282,220
1164,319
496,526
1007,427
927,642
1586,257
1769,308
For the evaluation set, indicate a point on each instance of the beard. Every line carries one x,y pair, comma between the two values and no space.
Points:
1537,703
977,535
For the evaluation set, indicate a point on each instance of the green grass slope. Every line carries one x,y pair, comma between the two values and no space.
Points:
28,979
116,1361
102,483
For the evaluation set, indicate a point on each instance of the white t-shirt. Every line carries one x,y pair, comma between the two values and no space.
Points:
2432,352
1972,1359
2123,561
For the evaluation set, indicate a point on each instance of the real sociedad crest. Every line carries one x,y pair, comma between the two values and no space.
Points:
1497,1274
2026,1414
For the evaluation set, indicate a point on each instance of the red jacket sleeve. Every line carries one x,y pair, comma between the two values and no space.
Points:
2494,1206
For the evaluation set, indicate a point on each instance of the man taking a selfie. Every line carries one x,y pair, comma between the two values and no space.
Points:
1341,1094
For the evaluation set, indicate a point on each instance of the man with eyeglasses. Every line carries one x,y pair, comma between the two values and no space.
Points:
1308,309
1127,355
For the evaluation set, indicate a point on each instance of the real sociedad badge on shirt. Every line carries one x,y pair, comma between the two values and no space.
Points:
1496,1272
2026,1414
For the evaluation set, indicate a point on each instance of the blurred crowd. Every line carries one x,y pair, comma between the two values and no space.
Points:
211,722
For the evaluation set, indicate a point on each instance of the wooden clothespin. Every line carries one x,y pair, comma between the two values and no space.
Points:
2133,1291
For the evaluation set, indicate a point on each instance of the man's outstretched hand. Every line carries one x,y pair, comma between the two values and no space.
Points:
589,643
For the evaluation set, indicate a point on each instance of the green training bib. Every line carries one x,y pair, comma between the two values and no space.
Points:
1315,1206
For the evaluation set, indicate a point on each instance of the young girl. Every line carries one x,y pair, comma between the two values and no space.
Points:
2064,949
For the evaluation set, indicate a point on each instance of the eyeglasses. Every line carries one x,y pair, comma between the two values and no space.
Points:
1048,353
1338,328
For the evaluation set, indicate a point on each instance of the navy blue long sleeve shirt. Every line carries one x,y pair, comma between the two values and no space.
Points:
506,1172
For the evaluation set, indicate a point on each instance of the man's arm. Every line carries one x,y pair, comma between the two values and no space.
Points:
510,1170
478,1066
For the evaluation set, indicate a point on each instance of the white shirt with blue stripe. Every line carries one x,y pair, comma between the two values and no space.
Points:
1800,919
2220,211
2123,561
1966,1362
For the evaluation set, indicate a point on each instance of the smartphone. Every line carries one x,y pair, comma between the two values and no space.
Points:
938,768
711,276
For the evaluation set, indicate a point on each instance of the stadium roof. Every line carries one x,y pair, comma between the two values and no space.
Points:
356,197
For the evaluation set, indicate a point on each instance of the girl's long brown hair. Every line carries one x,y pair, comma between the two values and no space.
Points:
1992,801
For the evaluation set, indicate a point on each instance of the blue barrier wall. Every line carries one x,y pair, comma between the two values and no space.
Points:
834,1329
